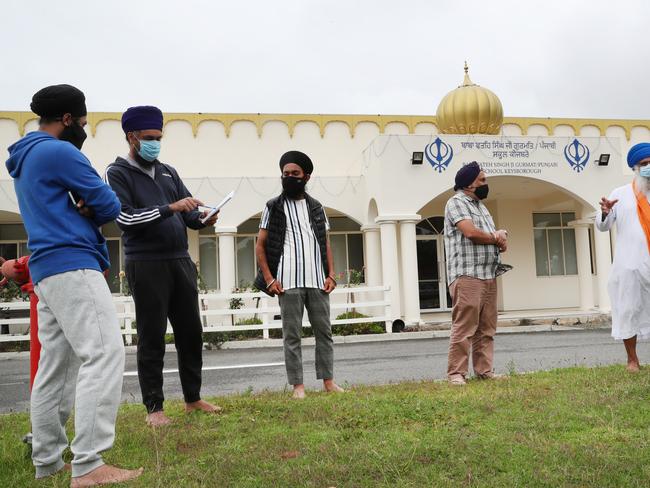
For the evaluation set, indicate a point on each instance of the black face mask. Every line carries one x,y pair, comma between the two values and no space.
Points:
481,192
293,187
74,134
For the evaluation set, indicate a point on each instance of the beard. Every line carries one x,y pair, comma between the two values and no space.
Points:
642,184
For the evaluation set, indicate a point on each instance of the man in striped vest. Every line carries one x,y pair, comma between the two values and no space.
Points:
156,210
295,263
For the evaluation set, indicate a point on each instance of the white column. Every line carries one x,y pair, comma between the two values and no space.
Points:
226,258
603,267
372,271
389,262
584,265
372,252
410,270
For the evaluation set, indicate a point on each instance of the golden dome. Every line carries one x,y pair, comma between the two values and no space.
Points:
470,109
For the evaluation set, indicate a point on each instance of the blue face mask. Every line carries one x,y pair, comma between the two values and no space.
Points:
149,150
645,171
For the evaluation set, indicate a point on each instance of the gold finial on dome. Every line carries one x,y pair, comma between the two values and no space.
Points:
470,109
467,81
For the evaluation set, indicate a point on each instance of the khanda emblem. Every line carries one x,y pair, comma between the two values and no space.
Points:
577,155
439,154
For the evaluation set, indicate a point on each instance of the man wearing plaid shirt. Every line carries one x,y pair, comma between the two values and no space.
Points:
472,245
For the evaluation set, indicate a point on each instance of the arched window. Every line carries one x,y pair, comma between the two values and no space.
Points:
430,227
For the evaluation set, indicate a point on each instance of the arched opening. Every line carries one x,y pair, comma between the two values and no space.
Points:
346,241
13,237
432,286
373,212
543,248
13,244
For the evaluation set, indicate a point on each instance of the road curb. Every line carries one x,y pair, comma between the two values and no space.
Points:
358,339
402,336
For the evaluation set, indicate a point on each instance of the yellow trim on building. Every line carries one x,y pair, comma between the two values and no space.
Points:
352,121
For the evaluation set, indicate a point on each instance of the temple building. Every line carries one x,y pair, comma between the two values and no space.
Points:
384,181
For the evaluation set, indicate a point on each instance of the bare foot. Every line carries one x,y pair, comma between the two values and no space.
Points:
331,387
202,406
457,381
158,419
105,475
633,367
298,392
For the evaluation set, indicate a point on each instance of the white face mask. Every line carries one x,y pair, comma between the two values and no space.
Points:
645,171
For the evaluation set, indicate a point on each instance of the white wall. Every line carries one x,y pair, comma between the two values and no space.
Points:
521,287
349,171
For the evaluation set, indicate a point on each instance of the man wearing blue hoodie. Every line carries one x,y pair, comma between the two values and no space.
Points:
82,350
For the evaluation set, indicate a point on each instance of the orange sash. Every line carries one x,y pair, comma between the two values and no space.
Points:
643,209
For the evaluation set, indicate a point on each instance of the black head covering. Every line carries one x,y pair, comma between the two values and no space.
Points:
466,175
57,100
299,158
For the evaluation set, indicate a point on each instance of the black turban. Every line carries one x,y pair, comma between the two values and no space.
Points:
57,100
466,175
144,117
299,158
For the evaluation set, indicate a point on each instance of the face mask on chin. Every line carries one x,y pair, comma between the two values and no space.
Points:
293,186
75,134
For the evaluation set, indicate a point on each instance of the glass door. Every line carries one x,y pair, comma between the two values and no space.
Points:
431,273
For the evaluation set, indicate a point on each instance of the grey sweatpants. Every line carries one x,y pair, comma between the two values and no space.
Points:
293,303
82,350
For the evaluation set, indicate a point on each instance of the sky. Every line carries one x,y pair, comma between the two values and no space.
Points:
554,58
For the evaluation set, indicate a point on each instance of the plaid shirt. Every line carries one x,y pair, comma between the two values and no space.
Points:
464,258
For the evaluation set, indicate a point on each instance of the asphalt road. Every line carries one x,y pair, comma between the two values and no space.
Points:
234,371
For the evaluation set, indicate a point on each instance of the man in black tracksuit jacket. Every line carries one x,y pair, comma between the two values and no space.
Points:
156,209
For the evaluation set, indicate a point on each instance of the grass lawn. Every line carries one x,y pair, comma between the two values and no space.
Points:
571,427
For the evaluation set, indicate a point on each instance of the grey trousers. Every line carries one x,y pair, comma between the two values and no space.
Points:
293,303
81,363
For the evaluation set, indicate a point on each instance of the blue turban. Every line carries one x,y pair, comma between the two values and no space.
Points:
142,118
466,175
637,153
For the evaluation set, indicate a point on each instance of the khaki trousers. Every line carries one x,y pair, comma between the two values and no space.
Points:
474,322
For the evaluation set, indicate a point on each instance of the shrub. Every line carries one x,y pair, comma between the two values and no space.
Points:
14,346
360,328
12,292
218,338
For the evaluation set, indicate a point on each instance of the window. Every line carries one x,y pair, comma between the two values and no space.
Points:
13,241
115,256
112,234
345,239
430,227
347,251
208,258
246,260
13,244
555,244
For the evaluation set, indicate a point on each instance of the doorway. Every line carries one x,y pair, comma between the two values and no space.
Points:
432,275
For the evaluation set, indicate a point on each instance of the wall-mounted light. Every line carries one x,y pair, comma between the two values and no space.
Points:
603,160
417,158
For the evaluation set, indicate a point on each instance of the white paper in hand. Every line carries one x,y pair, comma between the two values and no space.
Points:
215,209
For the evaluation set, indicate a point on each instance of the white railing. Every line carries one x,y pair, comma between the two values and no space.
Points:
258,305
